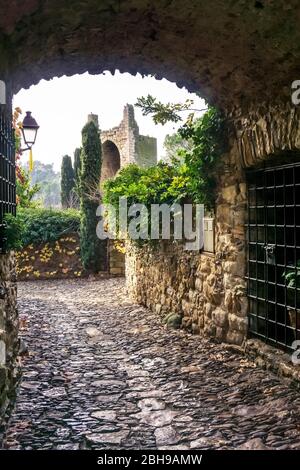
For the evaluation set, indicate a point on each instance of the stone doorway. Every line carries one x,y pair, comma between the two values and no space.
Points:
110,160
274,254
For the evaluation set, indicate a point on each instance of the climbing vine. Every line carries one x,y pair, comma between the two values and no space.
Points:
209,137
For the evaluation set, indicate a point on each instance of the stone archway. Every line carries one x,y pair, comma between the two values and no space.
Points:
236,53
111,161
241,56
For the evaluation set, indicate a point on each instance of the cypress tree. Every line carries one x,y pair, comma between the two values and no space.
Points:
67,181
77,164
93,250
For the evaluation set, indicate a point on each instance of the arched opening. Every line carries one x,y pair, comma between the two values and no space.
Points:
111,162
194,44
160,38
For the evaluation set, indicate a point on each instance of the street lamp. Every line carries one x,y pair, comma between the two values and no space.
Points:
29,130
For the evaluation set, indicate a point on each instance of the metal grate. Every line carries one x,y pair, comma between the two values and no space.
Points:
7,170
273,253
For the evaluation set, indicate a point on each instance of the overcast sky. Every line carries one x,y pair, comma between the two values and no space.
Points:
61,106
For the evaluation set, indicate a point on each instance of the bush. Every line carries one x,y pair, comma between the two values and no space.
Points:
33,226
13,232
162,183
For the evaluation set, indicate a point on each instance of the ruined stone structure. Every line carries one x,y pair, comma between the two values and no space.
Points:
123,144
242,56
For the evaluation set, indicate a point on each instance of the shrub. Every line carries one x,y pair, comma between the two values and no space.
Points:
32,226
13,232
162,183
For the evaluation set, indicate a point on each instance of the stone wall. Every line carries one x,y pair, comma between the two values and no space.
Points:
116,256
132,147
60,259
265,132
208,291
8,331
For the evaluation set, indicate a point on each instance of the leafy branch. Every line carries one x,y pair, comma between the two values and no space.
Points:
163,113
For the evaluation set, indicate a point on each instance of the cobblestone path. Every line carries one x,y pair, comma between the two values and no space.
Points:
104,373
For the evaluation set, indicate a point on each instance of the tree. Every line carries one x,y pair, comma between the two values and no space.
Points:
77,168
77,163
93,250
44,175
67,181
163,113
174,144
25,190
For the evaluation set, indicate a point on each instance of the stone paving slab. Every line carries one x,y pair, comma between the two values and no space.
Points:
103,373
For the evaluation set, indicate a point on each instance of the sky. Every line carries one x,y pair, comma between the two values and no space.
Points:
60,106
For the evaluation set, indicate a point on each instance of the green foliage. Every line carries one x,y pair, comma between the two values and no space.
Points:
25,190
162,183
93,250
67,181
49,183
13,232
292,276
204,141
192,176
77,164
163,113
174,144
209,135
77,169
33,226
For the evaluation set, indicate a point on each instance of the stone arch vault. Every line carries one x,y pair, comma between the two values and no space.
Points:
234,53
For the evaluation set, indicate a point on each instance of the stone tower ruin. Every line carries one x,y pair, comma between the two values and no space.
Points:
123,144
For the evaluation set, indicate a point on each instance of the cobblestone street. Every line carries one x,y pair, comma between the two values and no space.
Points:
104,373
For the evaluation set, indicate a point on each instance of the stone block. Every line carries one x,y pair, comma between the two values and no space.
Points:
220,317
229,194
238,324
235,337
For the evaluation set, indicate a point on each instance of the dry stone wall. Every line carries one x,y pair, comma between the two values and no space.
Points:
209,292
8,331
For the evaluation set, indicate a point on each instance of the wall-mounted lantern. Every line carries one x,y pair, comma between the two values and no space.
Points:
29,130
